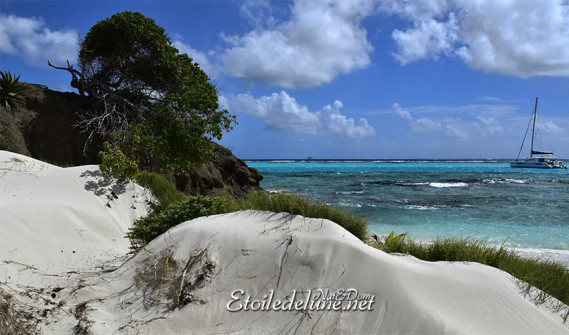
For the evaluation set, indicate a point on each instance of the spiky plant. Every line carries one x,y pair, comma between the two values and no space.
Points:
10,87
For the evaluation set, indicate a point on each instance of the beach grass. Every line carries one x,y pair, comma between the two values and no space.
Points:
162,189
550,277
158,222
13,319
297,204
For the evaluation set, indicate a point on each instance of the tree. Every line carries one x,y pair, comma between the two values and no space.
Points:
153,103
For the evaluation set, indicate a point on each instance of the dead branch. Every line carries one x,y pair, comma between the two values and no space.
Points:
77,80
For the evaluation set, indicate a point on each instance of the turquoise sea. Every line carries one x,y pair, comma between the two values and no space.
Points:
525,208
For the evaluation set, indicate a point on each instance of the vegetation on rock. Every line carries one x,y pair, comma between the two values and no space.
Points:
10,87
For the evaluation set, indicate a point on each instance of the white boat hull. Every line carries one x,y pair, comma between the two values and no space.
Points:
538,163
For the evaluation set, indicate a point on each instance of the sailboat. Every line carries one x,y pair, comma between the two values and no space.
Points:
536,159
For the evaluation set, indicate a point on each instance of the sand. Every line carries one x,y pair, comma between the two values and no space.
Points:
65,259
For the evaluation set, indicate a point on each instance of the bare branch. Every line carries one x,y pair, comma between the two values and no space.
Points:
77,80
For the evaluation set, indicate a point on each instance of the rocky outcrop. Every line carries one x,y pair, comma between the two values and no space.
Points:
42,127
225,174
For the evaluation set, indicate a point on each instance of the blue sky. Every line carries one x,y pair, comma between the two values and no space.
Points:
344,78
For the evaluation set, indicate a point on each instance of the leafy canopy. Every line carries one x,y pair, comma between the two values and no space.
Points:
153,103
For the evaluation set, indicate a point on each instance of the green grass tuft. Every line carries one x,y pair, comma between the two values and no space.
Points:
296,204
148,228
161,188
550,277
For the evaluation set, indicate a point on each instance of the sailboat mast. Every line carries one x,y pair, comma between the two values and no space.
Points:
533,128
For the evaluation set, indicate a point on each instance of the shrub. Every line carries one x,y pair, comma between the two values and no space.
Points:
155,224
9,89
115,163
161,188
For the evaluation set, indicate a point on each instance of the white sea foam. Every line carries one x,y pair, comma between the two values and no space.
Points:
517,181
505,181
556,255
411,184
421,208
350,192
348,204
441,185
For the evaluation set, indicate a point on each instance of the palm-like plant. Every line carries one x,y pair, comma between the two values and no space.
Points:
10,87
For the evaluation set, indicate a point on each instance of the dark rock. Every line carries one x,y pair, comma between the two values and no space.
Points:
224,175
42,126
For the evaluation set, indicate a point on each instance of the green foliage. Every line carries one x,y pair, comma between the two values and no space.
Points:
10,87
147,228
157,105
393,242
115,163
550,277
161,188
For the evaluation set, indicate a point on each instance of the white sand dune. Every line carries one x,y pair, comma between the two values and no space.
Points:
249,272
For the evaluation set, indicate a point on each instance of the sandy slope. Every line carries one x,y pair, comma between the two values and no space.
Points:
60,241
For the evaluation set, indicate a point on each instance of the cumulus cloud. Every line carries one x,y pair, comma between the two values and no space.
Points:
29,39
428,39
282,112
517,37
279,111
321,40
334,122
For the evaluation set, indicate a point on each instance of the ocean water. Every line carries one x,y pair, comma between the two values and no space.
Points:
524,208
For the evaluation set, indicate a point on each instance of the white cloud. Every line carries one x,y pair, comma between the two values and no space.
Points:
260,13
517,37
282,112
279,111
457,130
335,123
427,40
401,112
551,128
29,39
460,123
198,57
418,124
320,41
491,125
